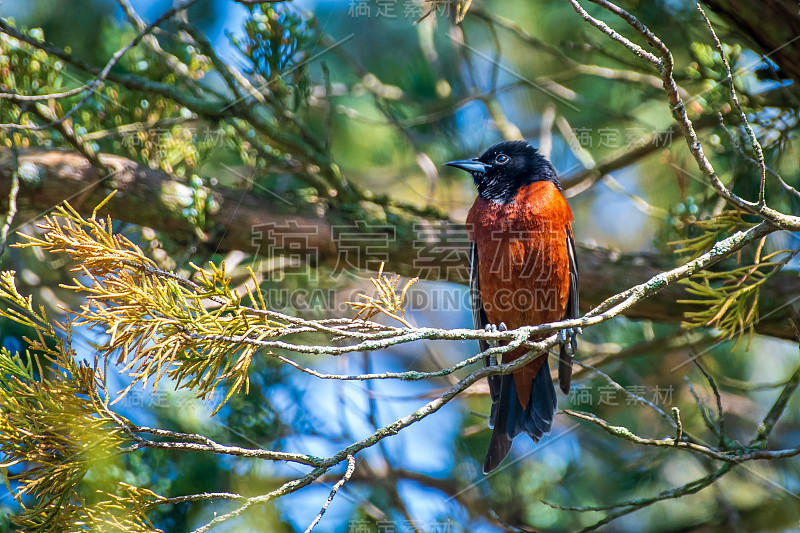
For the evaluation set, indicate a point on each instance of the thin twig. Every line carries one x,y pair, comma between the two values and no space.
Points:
778,407
704,409
625,391
735,99
351,466
605,28
747,156
625,508
669,442
12,195
91,87
676,414
720,423
665,67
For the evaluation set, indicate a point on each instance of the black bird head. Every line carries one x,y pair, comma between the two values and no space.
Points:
505,168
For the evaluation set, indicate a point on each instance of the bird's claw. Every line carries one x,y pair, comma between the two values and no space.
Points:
494,329
491,328
568,337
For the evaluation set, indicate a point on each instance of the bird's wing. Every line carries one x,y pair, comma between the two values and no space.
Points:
479,318
565,359
572,303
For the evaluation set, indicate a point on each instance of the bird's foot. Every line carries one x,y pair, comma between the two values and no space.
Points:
494,329
491,328
568,337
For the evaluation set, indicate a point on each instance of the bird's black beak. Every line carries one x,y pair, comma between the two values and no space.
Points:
470,165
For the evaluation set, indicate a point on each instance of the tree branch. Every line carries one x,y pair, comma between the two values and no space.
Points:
151,198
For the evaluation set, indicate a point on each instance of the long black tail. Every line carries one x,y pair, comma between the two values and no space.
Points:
508,419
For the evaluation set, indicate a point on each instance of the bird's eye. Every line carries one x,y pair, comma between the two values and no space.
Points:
501,159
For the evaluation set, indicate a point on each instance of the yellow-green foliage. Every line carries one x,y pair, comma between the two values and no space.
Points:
730,298
54,427
711,231
158,323
388,301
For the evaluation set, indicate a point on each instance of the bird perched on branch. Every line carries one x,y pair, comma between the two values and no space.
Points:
523,272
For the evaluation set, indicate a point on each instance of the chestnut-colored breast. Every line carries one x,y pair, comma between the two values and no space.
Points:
523,262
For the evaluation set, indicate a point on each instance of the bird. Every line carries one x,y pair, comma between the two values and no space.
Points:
523,271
